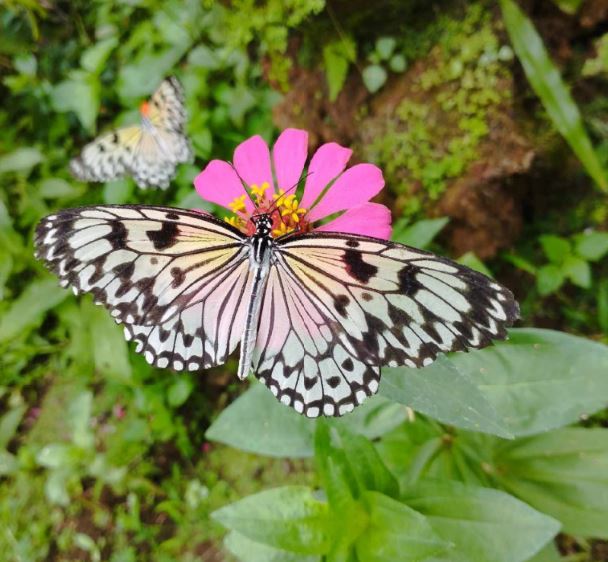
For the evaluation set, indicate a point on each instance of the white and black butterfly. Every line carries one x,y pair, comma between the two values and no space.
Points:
316,314
150,151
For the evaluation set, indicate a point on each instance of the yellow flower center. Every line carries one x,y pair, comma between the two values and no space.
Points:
285,211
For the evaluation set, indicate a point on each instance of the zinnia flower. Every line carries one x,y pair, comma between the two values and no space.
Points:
271,179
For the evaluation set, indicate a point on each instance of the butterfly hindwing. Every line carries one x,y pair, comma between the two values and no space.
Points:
360,303
149,152
172,277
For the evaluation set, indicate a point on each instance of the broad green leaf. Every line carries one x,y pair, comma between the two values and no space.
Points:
578,271
20,160
549,278
421,233
385,47
564,474
396,533
94,58
539,379
79,417
247,550
546,81
555,247
57,188
569,6
368,468
28,309
9,424
117,192
548,554
337,57
258,423
289,518
444,392
179,391
592,246
80,94
398,63
110,350
8,463
374,77
485,525
471,260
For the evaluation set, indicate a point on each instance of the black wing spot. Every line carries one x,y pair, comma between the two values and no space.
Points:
178,276
153,260
118,236
165,237
408,284
357,268
333,381
366,296
340,304
309,382
101,147
172,216
352,243
347,364
115,137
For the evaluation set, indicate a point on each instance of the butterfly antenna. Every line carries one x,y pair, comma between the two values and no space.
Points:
243,184
286,192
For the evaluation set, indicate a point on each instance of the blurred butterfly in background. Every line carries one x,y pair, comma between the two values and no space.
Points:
149,152
316,314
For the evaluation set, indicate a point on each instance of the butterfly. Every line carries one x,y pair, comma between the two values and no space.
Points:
149,152
316,314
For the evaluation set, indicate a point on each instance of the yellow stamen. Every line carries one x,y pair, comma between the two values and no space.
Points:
234,221
259,190
238,205
281,230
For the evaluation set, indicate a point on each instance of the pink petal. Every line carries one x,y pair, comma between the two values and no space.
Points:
252,161
327,163
219,184
355,186
289,156
369,219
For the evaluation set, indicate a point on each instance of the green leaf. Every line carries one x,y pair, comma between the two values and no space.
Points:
8,463
419,234
258,423
79,417
385,46
9,424
563,473
110,350
444,392
549,278
485,525
555,247
57,188
578,271
337,57
289,518
396,533
247,550
592,246
540,379
20,160
602,305
398,63
94,58
80,94
117,192
548,554
569,6
374,77
471,260
179,391
28,309
546,81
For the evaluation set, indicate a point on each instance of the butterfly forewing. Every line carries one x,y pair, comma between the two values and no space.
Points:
171,276
355,303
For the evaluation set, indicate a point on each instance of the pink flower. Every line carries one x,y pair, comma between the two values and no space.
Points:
271,178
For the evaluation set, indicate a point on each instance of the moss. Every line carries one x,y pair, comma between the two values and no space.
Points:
436,130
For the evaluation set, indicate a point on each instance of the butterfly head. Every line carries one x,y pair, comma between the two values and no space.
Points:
263,224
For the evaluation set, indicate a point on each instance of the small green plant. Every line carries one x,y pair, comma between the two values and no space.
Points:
384,57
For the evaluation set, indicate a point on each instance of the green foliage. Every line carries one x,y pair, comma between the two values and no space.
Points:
546,81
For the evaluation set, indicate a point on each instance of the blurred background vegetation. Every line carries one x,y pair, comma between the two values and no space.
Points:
491,124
